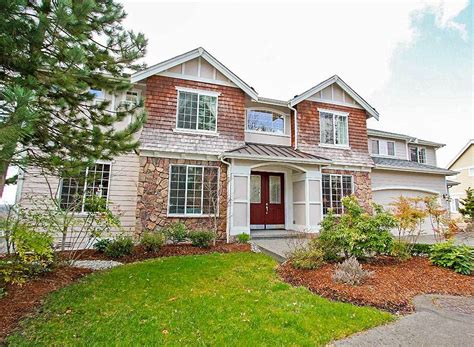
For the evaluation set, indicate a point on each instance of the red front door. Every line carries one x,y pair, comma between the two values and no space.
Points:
267,201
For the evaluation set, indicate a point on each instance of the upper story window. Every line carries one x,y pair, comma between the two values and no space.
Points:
380,147
99,95
197,110
94,181
265,121
132,98
334,129
418,154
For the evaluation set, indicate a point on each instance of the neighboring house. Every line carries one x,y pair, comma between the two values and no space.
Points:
212,147
463,163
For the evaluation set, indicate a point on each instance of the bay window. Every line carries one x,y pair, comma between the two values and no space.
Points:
93,181
334,129
335,187
265,121
197,110
193,190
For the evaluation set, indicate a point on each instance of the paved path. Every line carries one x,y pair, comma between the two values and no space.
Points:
462,238
278,248
439,320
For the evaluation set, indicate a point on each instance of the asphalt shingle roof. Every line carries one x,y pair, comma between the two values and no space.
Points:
407,164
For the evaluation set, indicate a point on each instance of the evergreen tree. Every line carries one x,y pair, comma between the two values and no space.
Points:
52,53
468,204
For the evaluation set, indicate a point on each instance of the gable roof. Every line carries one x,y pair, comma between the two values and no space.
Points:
336,79
464,149
408,138
195,53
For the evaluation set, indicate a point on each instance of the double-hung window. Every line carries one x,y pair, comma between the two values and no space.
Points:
334,128
98,94
335,187
197,110
381,147
193,190
265,121
418,154
93,181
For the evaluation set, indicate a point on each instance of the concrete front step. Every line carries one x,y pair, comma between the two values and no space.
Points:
278,248
276,234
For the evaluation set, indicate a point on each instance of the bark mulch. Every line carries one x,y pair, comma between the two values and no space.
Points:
392,287
166,251
21,301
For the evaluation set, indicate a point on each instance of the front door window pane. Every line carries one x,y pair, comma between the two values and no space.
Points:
275,190
255,189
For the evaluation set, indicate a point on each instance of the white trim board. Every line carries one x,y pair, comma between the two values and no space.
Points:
345,87
183,58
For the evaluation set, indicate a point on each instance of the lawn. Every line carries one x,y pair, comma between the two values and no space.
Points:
216,299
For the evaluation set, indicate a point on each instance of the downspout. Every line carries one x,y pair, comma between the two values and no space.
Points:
295,125
227,224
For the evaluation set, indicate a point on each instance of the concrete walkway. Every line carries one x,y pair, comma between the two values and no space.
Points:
439,320
462,238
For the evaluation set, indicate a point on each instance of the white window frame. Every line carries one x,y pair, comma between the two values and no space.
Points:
193,215
418,151
199,93
265,109
382,148
330,186
334,113
97,100
82,212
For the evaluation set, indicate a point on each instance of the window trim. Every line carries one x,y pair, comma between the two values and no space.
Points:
330,185
334,113
198,92
418,151
380,142
266,109
193,215
83,213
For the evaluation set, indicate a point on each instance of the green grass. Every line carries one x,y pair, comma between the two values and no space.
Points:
217,299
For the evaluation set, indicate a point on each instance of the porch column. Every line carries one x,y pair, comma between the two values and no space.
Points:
307,201
239,200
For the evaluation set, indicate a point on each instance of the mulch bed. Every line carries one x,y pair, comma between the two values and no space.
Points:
166,251
21,301
392,287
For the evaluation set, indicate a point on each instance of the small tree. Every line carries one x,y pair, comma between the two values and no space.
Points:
410,215
467,209
443,226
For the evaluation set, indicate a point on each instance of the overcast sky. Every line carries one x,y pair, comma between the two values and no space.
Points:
411,60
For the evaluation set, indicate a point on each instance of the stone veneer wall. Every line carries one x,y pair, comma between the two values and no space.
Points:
362,186
152,201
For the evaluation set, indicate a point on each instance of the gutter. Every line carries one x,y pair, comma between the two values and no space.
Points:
295,126
427,171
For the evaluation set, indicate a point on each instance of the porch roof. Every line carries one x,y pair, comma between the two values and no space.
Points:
256,151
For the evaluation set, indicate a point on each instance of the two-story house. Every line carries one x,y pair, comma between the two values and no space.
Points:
214,151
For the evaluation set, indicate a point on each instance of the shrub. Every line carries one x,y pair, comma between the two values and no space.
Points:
152,241
420,249
242,238
400,250
176,232
307,257
33,249
14,272
351,272
458,258
120,247
355,232
201,238
101,245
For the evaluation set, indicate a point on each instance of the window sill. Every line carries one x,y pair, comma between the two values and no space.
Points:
170,215
384,156
325,145
266,133
196,132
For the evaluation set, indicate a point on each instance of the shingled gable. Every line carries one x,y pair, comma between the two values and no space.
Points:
371,112
183,58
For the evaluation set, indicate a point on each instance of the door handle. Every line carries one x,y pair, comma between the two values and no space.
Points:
266,208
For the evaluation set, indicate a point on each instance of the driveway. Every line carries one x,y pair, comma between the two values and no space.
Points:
439,320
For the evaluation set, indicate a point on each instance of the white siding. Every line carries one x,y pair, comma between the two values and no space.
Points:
415,181
400,147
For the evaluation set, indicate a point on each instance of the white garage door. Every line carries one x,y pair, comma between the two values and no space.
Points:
385,197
